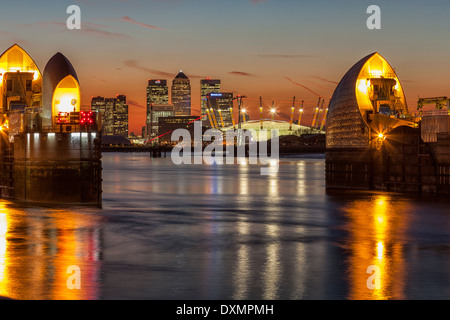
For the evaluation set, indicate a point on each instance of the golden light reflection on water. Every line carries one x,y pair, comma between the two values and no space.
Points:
3,250
377,229
37,247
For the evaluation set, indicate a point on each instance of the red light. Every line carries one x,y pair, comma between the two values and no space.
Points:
63,117
87,117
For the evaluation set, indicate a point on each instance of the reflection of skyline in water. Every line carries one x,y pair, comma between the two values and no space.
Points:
225,232
37,247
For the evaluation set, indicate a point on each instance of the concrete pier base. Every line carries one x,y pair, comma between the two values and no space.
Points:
402,163
57,168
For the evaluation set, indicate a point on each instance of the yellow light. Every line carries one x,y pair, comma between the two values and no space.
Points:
65,103
273,110
377,73
301,110
380,135
244,110
66,97
363,85
380,249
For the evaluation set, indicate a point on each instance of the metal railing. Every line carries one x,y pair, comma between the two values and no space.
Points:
442,112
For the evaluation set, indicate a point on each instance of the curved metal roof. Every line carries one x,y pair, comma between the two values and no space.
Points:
345,126
16,46
57,68
355,109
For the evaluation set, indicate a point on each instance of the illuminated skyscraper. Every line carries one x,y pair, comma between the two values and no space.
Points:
181,94
169,124
107,120
114,114
221,105
208,85
120,116
154,112
157,92
98,104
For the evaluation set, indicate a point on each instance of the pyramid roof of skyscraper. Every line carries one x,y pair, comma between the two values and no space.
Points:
181,75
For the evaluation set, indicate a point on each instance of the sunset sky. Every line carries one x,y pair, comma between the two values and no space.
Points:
274,49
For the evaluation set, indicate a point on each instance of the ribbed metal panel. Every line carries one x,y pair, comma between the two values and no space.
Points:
345,126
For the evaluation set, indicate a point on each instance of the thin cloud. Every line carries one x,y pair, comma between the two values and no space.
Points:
90,24
285,56
86,27
301,85
134,103
149,26
240,73
319,85
326,80
135,65
103,33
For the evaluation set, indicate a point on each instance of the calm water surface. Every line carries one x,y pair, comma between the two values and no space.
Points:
227,232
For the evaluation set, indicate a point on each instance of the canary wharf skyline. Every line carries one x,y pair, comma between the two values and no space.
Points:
273,49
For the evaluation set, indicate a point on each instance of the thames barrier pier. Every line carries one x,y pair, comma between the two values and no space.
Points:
374,142
50,148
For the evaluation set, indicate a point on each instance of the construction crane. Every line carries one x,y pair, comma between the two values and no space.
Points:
440,102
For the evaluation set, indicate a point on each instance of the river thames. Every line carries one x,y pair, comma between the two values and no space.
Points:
169,231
